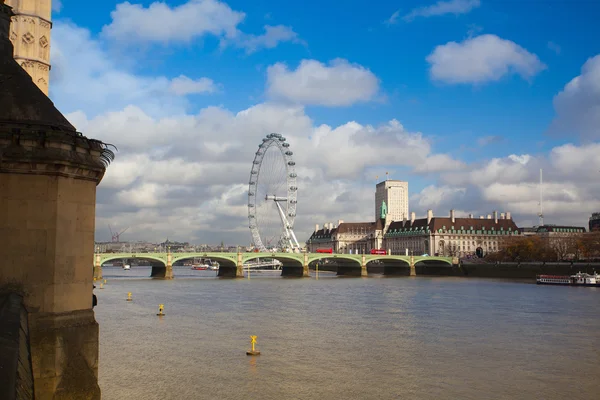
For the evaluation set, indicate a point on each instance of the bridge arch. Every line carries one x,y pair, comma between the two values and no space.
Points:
434,260
294,260
106,259
322,256
222,260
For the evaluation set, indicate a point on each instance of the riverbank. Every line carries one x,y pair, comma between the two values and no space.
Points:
487,270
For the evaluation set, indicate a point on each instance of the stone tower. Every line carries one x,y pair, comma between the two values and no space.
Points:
48,178
30,35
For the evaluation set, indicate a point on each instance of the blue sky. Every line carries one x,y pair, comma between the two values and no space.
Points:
518,56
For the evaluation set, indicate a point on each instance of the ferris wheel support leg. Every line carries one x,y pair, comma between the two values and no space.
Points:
293,242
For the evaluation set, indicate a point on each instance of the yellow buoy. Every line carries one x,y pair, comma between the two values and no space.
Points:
105,281
161,308
129,296
101,286
253,352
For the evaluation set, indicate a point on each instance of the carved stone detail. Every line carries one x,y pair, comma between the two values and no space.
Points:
44,24
43,42
28,38
42,81
43,67
13,36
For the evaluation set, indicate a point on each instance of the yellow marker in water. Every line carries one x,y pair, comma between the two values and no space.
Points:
101,286
129,296
105,281
253,352
161,308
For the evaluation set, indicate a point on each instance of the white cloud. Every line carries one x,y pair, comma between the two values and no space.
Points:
487,140
577,106
554,47
270,39
512,184
338,84
56,6
433,197
183,85
481,59
184,175
439,163
455,7
81,65
161,23
393,18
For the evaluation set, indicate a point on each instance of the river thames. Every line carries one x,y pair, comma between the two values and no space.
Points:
345,338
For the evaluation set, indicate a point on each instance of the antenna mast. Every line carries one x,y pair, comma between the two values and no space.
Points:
541,213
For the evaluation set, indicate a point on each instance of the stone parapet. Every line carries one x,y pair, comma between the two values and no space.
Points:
27,150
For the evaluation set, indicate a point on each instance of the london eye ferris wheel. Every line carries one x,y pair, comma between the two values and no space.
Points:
272,196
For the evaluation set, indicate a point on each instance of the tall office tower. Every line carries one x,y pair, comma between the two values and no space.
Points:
395,196
30,36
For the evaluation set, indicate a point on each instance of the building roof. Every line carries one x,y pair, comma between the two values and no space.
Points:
554,228
21,101
445,223
348,227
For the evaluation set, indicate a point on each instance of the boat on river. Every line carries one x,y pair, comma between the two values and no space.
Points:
200,267
126,267
579,279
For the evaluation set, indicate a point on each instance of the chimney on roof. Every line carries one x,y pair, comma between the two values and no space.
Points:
508,215
452,216
495,217
502,216
470,215
316,227
489,216
429,216
404,221
412,218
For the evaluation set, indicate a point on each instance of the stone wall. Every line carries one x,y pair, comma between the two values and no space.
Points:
16,377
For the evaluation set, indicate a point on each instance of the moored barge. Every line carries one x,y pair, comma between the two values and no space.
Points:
579,279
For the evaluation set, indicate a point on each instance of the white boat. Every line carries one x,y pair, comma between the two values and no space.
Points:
126,267
579,279
214,266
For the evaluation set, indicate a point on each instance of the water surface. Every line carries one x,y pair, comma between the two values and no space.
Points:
345,338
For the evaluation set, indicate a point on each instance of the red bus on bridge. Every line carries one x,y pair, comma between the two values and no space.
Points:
325,250
379,251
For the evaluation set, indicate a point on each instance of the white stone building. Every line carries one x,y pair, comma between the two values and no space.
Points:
347,237
395,196
449,236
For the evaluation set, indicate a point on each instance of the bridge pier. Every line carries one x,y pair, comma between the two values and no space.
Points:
305,271
413,270
363,266
239,272
169,266
97,267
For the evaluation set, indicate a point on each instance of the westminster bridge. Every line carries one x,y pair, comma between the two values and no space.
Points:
294,264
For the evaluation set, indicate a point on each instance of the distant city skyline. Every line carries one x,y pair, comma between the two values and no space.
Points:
357,91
